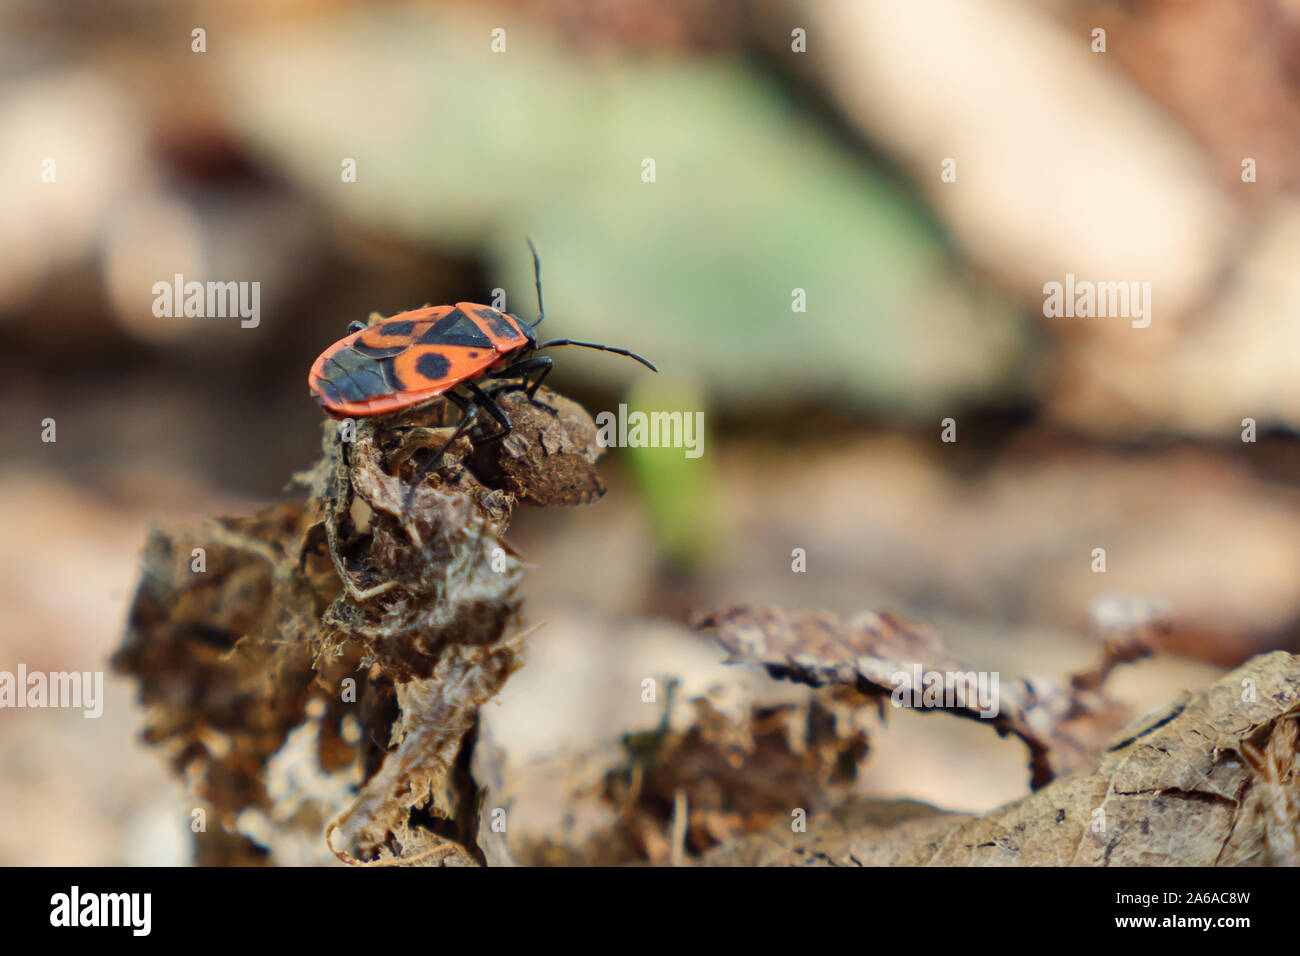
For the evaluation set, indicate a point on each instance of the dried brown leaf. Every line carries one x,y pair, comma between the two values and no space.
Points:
716,776
1210,780
1061,725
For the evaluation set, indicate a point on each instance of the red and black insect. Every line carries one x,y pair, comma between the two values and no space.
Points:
436,352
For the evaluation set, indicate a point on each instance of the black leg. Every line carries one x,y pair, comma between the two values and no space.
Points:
489,403
541,364
469,412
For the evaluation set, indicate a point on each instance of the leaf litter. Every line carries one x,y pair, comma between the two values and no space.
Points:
316,678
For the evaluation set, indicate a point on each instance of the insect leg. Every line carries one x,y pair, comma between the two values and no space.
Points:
541,364
469,415
489,404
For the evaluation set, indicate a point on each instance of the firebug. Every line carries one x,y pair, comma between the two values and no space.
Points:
439,352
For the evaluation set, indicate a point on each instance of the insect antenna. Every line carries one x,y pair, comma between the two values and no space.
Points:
537,280
603,348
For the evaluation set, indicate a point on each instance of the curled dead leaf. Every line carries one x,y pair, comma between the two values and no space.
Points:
879,653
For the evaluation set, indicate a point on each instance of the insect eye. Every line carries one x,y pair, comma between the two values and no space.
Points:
355,327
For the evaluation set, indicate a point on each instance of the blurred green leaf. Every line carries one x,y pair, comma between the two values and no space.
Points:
678,490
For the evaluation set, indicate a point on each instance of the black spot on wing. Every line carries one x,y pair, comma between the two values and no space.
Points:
455,328
404,327
433,365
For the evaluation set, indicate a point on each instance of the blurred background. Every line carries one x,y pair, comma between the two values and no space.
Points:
352,157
